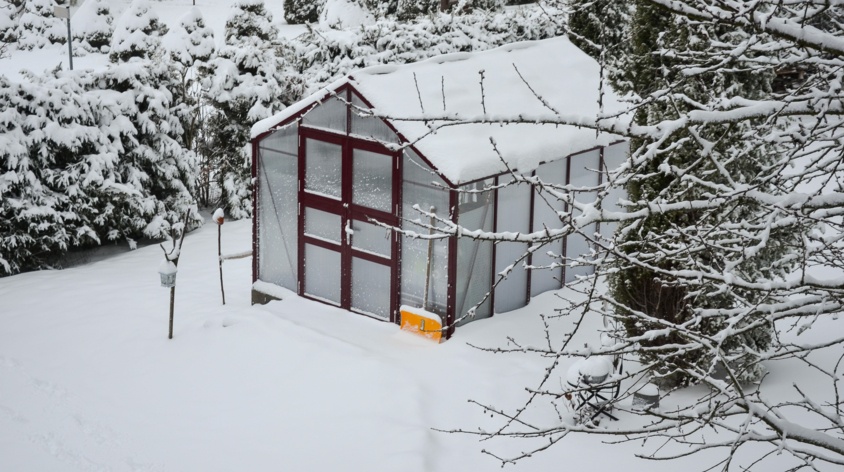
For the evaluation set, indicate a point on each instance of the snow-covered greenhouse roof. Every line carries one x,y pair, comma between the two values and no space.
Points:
514,77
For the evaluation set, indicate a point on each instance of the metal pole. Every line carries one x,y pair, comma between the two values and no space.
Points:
220,258
69,46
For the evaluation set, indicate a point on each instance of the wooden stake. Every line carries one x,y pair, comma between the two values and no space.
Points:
220,259
428,265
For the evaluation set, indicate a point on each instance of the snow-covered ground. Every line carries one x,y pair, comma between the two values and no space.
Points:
89,380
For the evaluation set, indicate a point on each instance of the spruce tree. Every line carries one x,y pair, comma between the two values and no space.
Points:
302,11
93,26
633,53
137,33
37,26
249,82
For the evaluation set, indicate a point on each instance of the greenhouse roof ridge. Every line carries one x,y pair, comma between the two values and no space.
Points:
545,78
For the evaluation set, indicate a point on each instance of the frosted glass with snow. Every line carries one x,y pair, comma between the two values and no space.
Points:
372,180
371,238
370,127
371,288
278,183
323,225
323,168
322,273
418,188
331,114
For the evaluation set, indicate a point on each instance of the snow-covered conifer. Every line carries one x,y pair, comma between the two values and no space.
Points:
154,165
37,26
93,26
302,11
249,82
8,13
137,33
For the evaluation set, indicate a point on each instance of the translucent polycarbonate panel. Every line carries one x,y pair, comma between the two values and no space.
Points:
323,225
474,257
583,175
416,272
513,217
577,246
322,273
614,156
284,140
370,127
415,170
372,180
331,114
548,272
323,168
371,288
278,183
371,238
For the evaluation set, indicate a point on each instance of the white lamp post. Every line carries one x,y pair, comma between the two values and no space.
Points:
64,12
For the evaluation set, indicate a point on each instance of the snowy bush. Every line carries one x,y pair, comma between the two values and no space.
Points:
89,157
38,27
7,21
249,83
302,11
93,26
137,33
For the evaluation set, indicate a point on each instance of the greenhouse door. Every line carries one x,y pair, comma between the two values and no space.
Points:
346,258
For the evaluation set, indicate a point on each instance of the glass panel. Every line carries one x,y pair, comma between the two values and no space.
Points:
323,225
474,258
278,216
372,180
614,156
583,174
371,288
285,140
370,127
323,168
322,273
331,114
371,238
545,208
415,270
513,216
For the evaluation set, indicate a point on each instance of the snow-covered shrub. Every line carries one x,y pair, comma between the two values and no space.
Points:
302,11
137,33
8,12
38,27
249,83
87,157
161,173
324,55
407,9
345,14
93,26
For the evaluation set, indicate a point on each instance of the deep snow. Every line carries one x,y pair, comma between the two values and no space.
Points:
89,380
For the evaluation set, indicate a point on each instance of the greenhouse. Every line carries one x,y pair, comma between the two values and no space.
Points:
332,179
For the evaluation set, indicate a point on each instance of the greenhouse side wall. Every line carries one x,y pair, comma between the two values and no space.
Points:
476,210
278,183
584,172
548,273
514,202
421,186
